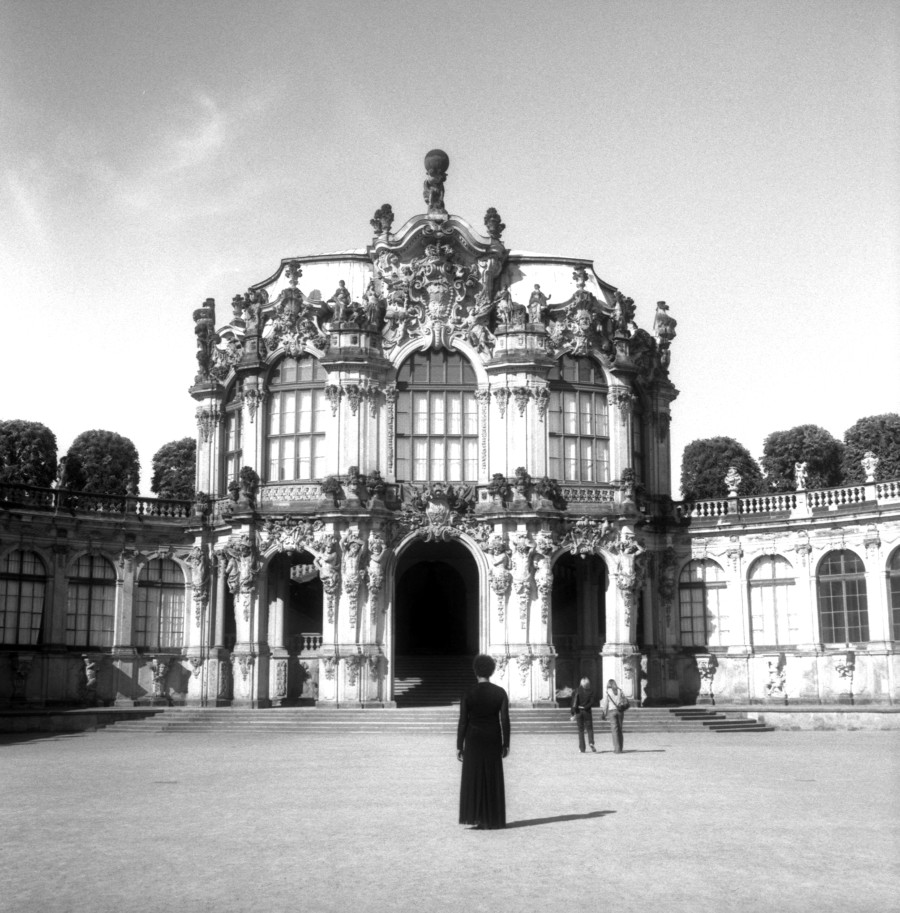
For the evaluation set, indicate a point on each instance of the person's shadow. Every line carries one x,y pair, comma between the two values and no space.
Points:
531,822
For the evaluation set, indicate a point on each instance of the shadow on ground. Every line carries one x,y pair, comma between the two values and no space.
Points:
533,822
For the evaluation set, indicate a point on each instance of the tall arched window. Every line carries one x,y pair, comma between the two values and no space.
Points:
437,419
91,603
297,420
159,612
233,450
771,601
701,588
843,609
894,593
23,580
579,421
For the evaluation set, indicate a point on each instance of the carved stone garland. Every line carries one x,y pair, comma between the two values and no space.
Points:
500,576
207,421
390,399
522,550
502,395
483,397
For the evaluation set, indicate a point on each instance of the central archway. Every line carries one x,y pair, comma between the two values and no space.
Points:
435,622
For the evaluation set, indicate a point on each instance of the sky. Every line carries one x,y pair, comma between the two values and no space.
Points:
740,161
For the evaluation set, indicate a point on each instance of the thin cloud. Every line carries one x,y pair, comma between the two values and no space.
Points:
27,208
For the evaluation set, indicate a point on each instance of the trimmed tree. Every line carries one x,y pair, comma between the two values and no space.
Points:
103,462
174,469
706,462
809,444
27,453
879,434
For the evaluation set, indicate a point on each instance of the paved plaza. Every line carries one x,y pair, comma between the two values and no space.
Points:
786,821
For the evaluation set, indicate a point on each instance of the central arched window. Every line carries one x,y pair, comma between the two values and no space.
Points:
437,419
297,420
91,603
843,607
23,579
771,601
159,615
579,421
701,588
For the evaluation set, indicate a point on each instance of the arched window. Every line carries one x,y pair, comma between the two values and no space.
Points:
894,592
771,601
437,419
701,587
23,579
843,610
159,613
233,450
91,603
297,420
579,421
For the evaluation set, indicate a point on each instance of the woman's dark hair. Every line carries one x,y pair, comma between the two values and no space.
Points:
484,665
611,683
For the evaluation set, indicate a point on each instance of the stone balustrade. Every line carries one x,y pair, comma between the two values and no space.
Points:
76,502
794,503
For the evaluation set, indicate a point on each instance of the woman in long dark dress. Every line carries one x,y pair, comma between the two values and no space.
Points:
482,741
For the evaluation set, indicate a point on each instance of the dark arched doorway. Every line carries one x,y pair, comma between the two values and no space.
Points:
435,622
578,617
295,592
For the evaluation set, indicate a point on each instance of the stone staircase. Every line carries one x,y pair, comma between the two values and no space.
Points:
430,681
424,720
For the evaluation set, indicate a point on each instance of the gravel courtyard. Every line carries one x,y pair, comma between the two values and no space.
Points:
786,821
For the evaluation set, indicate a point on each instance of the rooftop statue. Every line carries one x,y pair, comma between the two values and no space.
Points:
436,164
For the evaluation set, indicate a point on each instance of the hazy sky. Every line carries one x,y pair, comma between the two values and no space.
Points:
740,161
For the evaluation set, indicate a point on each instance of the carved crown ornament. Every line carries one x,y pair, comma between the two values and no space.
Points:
437,280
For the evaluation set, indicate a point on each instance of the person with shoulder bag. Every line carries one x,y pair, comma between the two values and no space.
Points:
613,707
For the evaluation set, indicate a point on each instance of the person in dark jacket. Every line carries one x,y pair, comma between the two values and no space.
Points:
482,741
582,701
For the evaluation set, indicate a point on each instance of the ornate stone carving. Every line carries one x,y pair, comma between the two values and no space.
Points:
436,164
196,663
493,224
542,400
198,561
390,399
241,568
522,550
502,660
547,662
586,536
333,393
483,397
330,664
664,331
734,552
327,560
775,686
522,395
383,220
354,394
499,489
281,674
543,571
205,331
498,550
872,542
91,670
252,397
245,663
631,569
800,474
208,418
501,394
439,513
733,480
524,661
707,664
352,548
869,463
623,400
665,585
353,664
378,556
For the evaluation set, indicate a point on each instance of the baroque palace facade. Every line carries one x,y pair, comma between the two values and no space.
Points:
423,449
